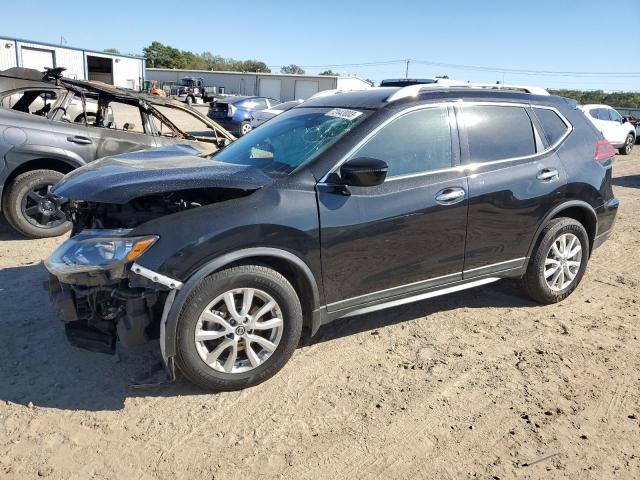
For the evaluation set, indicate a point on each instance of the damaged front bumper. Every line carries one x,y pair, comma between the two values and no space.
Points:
103,296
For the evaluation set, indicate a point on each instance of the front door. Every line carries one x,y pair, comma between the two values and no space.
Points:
515,179
406,234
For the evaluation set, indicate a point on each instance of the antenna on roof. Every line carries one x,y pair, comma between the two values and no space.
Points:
53,74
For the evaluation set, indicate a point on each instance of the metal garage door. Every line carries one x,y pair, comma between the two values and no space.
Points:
37,58
305,88
270,87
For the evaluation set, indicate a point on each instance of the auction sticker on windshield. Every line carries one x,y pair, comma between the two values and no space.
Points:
343,113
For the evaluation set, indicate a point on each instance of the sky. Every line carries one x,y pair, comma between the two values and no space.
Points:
598,42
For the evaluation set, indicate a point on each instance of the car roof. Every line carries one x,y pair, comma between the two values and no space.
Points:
376,98
596,105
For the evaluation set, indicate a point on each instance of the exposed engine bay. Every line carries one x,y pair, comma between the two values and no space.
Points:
95,215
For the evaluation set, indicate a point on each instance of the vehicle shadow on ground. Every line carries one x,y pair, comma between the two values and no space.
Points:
38,367
503,294
7,232
631,181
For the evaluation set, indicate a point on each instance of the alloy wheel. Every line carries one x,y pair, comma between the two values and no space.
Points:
628,144
246,128
239,330
41,211
563,262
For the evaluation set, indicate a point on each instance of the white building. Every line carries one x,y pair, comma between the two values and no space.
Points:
120,70
280,86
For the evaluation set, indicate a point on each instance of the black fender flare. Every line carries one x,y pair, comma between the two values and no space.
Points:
171,321
554,213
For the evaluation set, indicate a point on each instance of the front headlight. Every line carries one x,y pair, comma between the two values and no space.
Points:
97,250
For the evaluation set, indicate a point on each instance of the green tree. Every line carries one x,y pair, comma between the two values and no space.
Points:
329,73
292,69
111,50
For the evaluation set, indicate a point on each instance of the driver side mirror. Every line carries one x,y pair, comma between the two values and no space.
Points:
364,172
129,126
223,142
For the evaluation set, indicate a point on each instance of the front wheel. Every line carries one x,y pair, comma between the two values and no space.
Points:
558,261
238,328
28,209
628,145
189,100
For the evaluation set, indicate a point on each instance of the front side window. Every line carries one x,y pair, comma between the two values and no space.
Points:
553,126
291,139
185,122
416,142
497,132
614,115
125,117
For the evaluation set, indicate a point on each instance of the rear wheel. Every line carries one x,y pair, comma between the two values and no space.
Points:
27,208
189,100
558,261
238,328
245,127
628,145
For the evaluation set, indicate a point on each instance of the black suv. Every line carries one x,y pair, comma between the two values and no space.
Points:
341,206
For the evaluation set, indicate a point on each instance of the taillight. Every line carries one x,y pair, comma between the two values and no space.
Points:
230,110
604,150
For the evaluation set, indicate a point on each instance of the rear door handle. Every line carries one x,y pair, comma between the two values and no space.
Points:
451,195
548,175
79,139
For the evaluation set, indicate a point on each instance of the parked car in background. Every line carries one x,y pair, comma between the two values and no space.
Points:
621,133
261,116
635,121
234,113
49,127
341,206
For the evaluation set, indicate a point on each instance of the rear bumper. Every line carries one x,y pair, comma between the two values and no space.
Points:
606,220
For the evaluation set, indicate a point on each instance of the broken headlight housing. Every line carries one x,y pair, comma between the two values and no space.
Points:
97,250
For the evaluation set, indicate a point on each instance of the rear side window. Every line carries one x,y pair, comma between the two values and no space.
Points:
416,142
553,126
498,132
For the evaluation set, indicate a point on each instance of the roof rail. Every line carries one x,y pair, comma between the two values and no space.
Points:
415,90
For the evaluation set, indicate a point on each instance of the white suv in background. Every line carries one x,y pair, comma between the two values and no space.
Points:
621,134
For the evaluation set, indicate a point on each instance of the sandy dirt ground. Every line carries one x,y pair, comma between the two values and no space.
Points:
479,384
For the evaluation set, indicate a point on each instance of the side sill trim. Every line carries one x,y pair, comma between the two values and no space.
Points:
423,296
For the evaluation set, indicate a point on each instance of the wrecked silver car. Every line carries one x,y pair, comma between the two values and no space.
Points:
51,125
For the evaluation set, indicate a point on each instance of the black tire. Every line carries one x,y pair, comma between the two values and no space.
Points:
250,276
91,118
189,100
16,202
533,283
628,145
244,128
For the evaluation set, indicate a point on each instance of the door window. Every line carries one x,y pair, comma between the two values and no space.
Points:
125,117
37,102
553,126
185,122
614,115
497,132
416,142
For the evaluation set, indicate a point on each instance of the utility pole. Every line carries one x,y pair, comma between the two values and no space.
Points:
406,70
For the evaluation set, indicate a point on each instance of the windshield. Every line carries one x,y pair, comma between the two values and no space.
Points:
291,139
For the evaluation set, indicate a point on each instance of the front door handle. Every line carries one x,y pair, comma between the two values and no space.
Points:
79,139
451,195
548,175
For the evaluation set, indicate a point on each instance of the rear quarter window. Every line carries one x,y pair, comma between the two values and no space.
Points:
553,126
498,132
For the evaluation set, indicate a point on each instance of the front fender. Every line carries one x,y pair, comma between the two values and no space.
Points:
170,321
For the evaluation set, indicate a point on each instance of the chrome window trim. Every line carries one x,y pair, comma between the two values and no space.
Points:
470,167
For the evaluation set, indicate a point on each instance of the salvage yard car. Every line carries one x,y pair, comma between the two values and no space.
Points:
234,113
620,132
50,125
344,205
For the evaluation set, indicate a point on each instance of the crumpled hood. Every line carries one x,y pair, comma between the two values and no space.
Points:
122,178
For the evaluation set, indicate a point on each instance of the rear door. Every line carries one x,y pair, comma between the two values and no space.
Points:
619,130
515,179
401,236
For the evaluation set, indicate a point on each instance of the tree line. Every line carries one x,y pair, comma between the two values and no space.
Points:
615,99
164,56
